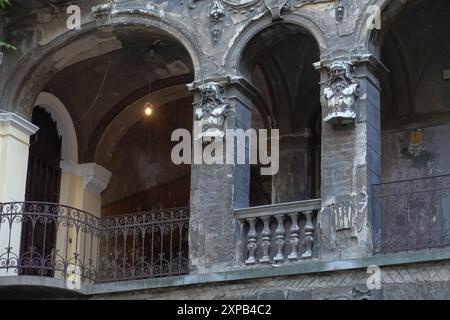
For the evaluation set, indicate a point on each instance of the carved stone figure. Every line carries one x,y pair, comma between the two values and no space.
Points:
217,16
340,10
212,109
340,94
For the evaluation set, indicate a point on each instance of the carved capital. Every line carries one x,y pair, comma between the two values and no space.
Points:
211,109
340,92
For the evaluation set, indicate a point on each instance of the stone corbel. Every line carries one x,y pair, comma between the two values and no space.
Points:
341,86
95,177
340,91
212,108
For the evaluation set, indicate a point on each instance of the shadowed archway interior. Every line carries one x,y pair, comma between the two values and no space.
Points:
279,62
415,97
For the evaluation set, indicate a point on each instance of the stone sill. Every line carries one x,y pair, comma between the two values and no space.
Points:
310,267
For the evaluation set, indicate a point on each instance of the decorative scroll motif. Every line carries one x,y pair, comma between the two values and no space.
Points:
145,245
212,109
341,92
411,215
44,224
217,16
279,237
275,7
70,244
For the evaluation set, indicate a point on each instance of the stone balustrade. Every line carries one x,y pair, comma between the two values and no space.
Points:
279,233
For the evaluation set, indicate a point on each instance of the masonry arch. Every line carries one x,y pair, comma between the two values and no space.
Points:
107,78
40,64
413,44
278,62
64,123
234,57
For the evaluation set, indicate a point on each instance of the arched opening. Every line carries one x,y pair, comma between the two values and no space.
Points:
278,61
415,125
414,101
38,237
123,97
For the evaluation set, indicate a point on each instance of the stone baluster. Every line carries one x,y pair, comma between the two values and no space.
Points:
294,237
280,238
309,234
266,239
251,241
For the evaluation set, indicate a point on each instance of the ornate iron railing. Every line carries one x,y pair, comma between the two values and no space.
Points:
279,233
144,245
51,240
411,215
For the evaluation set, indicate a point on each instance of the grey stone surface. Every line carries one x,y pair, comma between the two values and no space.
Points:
416,281
263,56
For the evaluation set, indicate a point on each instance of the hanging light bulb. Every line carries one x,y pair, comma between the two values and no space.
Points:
148,109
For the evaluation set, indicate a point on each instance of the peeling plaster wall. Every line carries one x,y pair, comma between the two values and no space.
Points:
402,161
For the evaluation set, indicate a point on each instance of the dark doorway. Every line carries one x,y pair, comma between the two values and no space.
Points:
38,243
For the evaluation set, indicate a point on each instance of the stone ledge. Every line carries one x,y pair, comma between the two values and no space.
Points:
270,272
304,268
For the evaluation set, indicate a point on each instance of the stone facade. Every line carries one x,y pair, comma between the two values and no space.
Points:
323,72
421,282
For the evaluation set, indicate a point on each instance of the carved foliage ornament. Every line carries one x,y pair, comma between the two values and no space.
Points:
340,93
212,110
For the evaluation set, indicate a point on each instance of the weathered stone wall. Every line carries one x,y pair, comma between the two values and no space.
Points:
215,34
421,281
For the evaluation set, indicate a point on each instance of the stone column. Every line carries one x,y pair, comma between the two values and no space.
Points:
15,134
82,185
350,154
81,188
216,190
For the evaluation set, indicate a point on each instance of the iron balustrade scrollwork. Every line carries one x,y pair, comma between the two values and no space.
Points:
47,239
411,215
52,240
144,245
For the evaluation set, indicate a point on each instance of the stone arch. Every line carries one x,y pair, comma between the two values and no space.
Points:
277,59
369,39
38,66
64,124
128,117
233,58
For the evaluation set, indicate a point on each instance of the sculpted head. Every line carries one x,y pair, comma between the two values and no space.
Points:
340,70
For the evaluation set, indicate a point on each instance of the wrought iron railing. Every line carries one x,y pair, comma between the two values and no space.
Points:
411,215
279,233
144,245
51,240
